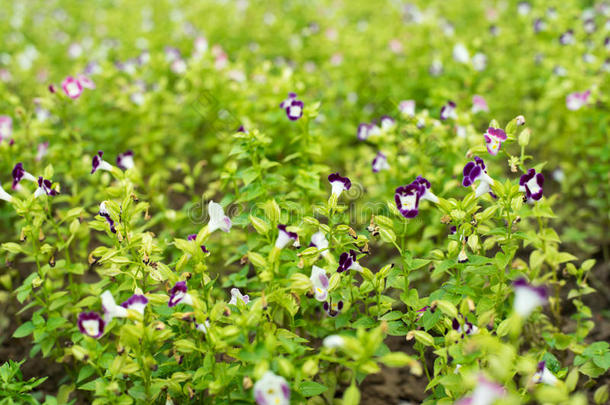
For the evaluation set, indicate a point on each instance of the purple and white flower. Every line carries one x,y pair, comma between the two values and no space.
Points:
364,131
567,38
467,329
407,200
43,149
111,309
98,163
125,160
85,82
424,189
531,183
19,174
333,342
524,8
136,302
237,295
577,100
544,375
333,308
527,297
6,127
462,256
284,237
476,171
72,87
479,104
104,213
339,184
44,187
295,110
387,123
485,393
380,163
407,108
203,327
179,295
448,111
539,25
272,389
91,324
218,219
319,240
348,261
288,101
178,66
493,139
319,279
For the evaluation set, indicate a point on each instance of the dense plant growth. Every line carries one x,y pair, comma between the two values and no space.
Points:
240,202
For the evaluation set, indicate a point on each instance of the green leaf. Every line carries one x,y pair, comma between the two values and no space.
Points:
24,330
311,388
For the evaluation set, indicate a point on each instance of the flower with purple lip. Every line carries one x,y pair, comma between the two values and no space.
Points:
111,309
288,101
237,295
45,187
172,53
4,195
539,25
295,110
85,82
476,171
91,324
407,200
364,131
407,108
493,139
319,280
19,174
567,38
479,104
98,163
272,389
43,149
333,308
284,237
136,302
72,87
485,393
125,160
319,241
104,213
467,329
178,294
218,219
448,111
339,184
544,375
577,100
380,163
348,261
387,123
527,297
6,127
424,189
531,183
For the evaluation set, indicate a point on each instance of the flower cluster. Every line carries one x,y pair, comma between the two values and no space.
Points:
373,129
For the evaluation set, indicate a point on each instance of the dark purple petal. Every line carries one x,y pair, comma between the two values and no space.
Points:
90,316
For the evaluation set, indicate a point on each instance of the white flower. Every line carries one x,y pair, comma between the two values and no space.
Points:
218,219
272,389
4,195
319,240
460,53
319,279
111,309
235,295
527,297
333,341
